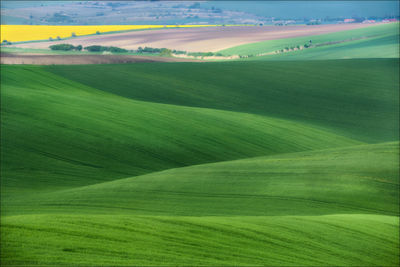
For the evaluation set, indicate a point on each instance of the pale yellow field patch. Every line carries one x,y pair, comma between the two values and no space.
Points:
22,33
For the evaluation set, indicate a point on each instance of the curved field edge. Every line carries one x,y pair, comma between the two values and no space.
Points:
332,240
360,179
378,47
69,134
346,37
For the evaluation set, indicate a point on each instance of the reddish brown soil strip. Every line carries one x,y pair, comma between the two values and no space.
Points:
7,58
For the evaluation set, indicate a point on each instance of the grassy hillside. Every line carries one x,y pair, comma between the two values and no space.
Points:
362,103
241,163
361,179
330,240
378,47
70,134
251,201
371,42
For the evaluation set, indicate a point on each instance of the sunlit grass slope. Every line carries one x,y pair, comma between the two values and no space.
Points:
20,33
378,47
216,214
234,164
357,98
361,179
370,42
70,134
330,240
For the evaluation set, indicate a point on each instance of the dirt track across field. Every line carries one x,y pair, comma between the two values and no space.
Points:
207,39
9,58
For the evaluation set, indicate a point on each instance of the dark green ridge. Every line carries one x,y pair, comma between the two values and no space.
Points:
356,98
56,133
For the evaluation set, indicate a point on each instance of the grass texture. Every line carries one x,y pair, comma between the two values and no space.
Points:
349,97
240,163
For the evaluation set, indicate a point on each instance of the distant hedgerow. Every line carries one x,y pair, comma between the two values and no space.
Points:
65,47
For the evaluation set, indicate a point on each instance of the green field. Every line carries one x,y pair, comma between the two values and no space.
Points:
250,163
381,41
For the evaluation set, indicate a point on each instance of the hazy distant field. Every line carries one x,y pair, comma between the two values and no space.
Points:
220,163
199,39
376,41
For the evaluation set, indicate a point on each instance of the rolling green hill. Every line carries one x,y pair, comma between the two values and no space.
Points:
361,104
361,179
76,135
379,41
378,47
240,163
154,219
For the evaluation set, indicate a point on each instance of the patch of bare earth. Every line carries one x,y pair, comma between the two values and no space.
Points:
203,39
12,58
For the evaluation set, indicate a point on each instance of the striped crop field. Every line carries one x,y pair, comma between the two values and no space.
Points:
23,33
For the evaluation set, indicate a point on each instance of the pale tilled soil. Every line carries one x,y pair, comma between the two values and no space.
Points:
205,39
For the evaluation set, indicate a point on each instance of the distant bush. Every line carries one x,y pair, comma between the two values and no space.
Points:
5,42
177,52
115,49
165,52
99,48
151,50
97,32
94,48
73,34
65,47
201,54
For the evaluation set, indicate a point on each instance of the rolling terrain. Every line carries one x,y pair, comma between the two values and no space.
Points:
378,41
224,163
304,91
196,39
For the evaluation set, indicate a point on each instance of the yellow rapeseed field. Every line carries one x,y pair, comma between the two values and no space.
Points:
21,33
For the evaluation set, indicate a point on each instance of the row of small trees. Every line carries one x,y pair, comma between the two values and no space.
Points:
297,47
99,48
92,48
140,50
65,47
